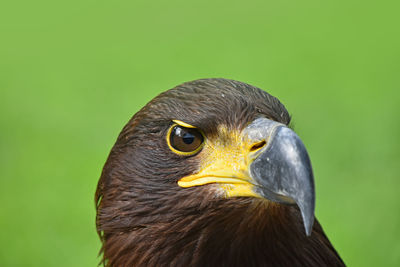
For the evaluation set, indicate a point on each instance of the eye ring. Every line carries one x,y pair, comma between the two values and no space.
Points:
183,140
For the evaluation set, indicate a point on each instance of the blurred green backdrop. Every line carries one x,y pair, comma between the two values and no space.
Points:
73,72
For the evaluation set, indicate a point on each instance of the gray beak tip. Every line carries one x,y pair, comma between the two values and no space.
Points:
308,219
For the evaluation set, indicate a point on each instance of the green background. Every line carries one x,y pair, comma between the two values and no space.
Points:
72,73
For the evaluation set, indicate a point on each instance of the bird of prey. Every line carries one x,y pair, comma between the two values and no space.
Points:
210,173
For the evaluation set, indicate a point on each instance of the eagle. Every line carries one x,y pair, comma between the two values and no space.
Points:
210,173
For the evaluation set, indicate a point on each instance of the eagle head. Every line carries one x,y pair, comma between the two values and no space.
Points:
210,173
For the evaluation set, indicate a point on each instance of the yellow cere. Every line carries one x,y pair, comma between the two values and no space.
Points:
225,161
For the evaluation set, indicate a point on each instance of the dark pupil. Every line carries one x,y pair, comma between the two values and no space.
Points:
185,139
188,138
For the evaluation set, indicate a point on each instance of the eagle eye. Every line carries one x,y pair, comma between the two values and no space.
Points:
184,141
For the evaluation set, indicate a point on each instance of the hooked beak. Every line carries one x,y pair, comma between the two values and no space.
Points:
269,162
282,169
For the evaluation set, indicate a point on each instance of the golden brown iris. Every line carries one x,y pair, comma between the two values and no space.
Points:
185,141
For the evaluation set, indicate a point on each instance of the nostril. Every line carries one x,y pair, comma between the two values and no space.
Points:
258,146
